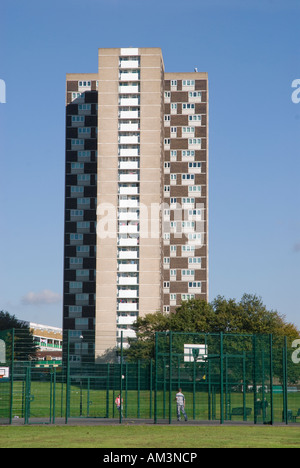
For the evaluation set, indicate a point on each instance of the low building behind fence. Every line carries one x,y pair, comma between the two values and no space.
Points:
225,378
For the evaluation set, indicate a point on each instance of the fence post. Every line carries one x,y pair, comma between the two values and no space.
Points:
170,377
271,379
67,377
285,381
221,380
12,375
155,378
254,379
121,380
150,385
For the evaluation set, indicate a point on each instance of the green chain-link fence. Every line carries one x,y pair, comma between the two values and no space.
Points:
224,378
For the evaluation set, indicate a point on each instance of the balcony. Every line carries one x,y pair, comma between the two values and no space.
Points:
129,76
129,101
128,293
130,255
127,165
126,333
127,268
127,320
129,114
129,152
128,216
128,242
132,89
127,281
129,203
128,229
129,64
128,191
128,307
129,127
129,139
129,178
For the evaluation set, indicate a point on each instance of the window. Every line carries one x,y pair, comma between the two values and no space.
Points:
166,285
173,297
83,273
82,297
188,248
188,224
83,177
77,189
174,105
76,142
188,153
83,201
188,176
83,107
195,117
76,261
84,154
83,225
77,118
173,273
187,297
195,285
195,141
167,94
188,201
167,141
76,236
188,272
188,83
173,82
195,188
77,96
195,237
195,165
188,129
84,130
75,213
195,260
76,165
187,105
83,248
194,94
75,309
84,84
75,284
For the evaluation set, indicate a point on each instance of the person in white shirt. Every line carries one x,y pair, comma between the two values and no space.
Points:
180,400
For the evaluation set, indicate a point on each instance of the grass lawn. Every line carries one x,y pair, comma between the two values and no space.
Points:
127,436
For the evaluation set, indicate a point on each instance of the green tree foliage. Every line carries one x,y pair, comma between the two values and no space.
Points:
248,316
24,347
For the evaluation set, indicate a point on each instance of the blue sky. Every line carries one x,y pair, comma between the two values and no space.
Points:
251,53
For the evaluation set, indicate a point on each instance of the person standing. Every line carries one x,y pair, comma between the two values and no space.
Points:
119,404
180,400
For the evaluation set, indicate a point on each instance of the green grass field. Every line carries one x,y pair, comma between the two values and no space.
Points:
154,437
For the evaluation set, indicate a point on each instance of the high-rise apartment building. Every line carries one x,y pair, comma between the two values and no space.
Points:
136,206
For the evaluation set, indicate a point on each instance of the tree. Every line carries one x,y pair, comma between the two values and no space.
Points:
248,316
24,347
